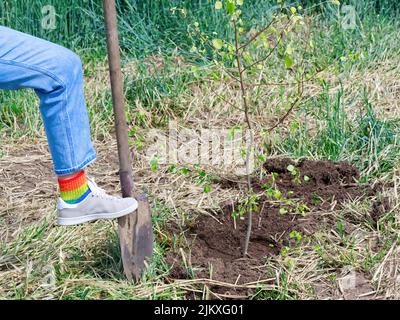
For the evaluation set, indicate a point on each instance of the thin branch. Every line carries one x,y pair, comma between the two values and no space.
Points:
248,151
285,115
272,50
255,36
241,79
290,83
292,106
231,75
299,92
225,100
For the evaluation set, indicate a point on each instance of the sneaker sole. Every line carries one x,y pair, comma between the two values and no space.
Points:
97,216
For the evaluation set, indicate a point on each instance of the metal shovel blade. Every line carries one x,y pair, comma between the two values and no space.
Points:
136,239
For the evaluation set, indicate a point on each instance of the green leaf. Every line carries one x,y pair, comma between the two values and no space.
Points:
217,43
247,57
306,178
202,173
295,235
218,5
290,168
207,188
261,158
277,194
154,164
289,50
185,170
239,2
231,6
282,211
172,168
264,40
288,61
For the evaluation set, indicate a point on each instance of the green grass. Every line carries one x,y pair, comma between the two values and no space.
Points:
156,26
19,113
370,41
369,141
165,82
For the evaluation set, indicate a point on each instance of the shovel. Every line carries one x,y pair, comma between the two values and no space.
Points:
135,229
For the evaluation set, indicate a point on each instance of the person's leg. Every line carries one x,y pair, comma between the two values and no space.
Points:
55,73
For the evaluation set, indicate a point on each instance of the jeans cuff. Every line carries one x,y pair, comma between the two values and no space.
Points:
84,164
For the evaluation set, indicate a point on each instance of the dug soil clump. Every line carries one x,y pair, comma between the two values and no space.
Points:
294,200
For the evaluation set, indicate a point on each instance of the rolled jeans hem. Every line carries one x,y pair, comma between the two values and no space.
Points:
81,166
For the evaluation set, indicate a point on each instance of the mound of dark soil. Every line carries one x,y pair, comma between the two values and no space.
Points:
219,242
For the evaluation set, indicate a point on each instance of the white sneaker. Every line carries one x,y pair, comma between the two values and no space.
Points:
97,205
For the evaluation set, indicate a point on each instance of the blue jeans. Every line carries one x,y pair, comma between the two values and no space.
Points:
55,73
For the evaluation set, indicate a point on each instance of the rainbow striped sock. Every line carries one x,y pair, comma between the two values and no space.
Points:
74,190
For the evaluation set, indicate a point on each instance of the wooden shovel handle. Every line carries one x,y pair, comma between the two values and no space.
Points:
114,60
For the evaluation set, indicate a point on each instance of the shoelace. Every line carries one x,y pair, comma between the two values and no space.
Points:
97,191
